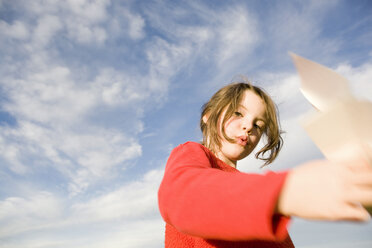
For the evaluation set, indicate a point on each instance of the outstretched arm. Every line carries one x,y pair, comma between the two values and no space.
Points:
324,190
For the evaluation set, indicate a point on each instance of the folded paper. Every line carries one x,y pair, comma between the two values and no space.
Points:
341,128
342,125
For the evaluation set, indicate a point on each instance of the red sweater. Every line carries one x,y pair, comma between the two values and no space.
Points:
207,203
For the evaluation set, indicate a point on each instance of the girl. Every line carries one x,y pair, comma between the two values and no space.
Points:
207,202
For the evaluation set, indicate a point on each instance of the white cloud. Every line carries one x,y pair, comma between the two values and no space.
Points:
17,30
165,60
282,87
84,19
116,88
11,153
41,7
55,108
53,111
223,38
200,35
64,109
360,79
237,35
48,95
142,233
84,157
97,156
127,23
126,216
130,201
93,11
291,27
18,214
136,25
81,19
46,29
84,33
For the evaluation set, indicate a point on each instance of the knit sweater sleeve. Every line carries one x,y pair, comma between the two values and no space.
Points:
202,201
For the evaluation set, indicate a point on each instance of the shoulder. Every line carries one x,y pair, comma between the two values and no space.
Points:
190,146
190,153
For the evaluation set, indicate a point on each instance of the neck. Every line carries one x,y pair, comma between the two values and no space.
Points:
232,163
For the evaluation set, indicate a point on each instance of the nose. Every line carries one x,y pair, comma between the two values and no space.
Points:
247,125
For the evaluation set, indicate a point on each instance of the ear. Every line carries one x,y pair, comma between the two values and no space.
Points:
205,119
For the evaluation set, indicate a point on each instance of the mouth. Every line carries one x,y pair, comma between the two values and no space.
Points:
242,140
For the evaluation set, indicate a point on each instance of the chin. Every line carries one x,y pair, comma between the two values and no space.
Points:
240,156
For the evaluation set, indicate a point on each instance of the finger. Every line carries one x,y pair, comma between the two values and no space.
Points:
368,153
361,158
361,179
363,198
355,212
357,165
360,194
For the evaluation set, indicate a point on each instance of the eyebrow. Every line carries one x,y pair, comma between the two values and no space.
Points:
258,119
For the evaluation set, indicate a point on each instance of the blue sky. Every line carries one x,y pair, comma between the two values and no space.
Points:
95,94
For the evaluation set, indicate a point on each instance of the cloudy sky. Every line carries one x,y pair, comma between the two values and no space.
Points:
95,94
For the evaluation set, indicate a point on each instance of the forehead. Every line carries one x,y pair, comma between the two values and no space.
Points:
253,103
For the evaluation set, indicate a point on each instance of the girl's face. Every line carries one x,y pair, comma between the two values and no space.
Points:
245,127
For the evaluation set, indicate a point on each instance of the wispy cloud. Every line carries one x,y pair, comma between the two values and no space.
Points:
54,108
88,84
16,30
132,205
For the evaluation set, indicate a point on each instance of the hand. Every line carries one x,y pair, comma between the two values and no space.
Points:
322,190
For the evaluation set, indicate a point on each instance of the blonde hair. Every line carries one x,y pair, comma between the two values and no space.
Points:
228,98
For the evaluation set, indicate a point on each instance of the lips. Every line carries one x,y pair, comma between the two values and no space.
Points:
242,140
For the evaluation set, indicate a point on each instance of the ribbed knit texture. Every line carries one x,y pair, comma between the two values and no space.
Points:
207,203
176,239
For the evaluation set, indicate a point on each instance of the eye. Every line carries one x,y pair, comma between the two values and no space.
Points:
258,126
237,113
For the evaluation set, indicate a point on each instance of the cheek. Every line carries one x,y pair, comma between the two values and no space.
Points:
230,125
226,128
255,138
